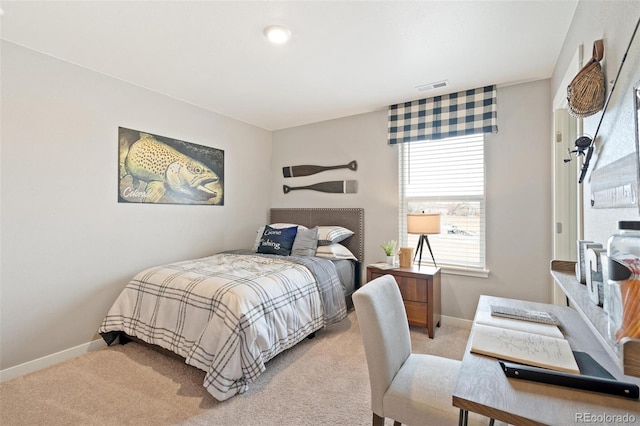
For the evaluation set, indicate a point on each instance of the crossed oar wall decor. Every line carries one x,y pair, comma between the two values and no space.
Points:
335,187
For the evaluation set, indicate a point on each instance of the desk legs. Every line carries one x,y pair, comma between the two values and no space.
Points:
464,418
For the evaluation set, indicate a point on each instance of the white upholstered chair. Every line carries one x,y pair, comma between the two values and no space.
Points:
414,389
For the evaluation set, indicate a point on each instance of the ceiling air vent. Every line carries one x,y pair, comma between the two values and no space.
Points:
431,86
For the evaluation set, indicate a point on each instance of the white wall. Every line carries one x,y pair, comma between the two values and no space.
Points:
361,138
612,21
518,191
68,247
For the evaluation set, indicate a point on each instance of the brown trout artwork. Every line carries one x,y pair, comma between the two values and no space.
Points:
155,169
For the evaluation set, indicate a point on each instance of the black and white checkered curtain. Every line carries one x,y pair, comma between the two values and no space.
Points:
457,114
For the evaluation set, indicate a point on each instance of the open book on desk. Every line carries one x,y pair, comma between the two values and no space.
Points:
550,330
530,344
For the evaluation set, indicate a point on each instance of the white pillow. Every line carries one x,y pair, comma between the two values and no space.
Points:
332,234
287,225
260,231
335,251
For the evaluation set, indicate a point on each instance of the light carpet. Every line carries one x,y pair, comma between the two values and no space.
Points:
321,381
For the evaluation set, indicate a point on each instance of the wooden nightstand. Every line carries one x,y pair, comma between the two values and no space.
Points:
420,291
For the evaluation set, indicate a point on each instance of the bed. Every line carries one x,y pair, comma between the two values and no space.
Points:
230,313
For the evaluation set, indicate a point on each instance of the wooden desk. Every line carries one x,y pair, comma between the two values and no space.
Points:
482,386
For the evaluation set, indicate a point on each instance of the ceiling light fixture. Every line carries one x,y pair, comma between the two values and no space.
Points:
277,34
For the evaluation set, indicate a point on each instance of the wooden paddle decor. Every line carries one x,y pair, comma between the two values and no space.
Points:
296,171
335,187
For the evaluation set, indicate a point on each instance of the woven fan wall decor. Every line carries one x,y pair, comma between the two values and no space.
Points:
586,92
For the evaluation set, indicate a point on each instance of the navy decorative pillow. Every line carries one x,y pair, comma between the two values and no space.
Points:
277,241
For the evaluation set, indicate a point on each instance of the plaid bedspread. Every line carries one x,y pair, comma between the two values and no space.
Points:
230,313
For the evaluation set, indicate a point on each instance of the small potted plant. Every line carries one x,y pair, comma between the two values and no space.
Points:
389,248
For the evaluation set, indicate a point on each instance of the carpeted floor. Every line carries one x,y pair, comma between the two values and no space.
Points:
321,381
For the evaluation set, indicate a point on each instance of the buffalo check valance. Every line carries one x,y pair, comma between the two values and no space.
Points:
457,114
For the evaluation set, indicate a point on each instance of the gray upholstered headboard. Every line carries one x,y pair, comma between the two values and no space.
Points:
350,218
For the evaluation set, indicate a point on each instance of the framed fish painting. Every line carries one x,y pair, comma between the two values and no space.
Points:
155,169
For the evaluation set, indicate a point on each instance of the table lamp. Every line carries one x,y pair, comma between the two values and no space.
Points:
423,224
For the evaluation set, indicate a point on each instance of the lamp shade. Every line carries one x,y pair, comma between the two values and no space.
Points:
423,223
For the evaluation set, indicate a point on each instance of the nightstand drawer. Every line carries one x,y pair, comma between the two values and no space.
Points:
413,289
416,313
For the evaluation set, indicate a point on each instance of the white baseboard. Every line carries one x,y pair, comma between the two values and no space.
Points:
457,322
49,360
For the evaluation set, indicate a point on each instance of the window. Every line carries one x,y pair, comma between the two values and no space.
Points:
446,176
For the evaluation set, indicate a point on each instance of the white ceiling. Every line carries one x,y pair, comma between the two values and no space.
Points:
345,57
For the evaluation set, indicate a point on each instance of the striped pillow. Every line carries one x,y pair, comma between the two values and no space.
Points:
335,251
332,234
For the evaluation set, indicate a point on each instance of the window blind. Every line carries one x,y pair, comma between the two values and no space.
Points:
446,176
